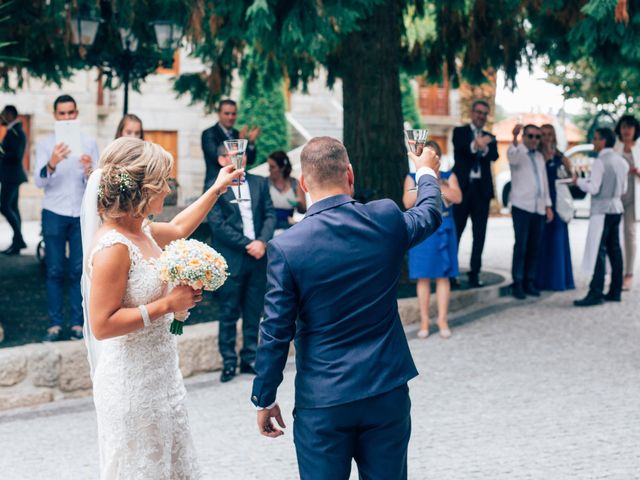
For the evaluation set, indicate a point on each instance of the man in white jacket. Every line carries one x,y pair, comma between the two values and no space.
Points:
606,184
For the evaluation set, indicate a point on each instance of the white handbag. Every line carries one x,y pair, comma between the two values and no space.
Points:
564,202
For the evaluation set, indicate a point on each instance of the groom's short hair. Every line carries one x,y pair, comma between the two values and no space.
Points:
324,161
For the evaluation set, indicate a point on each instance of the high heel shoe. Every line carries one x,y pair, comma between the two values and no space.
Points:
627,283
423,333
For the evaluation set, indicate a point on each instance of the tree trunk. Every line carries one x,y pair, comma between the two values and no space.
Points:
373,134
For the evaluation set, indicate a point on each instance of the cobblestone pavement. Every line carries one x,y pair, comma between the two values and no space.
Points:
531,390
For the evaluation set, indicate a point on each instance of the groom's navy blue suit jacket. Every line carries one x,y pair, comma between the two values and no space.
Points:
331,285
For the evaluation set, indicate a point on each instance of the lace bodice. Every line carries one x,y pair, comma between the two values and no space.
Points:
138,388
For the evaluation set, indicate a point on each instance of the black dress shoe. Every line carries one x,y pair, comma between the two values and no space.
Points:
517,292
53,335
531,290
247,368
475,282
227,374
12,250
589,301
611,297
76,333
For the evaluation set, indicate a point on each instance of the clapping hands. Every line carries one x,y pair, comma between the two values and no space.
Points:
250,133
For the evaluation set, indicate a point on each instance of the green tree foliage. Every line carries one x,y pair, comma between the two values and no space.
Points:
365,43
410,112
263,105
592,55
40,31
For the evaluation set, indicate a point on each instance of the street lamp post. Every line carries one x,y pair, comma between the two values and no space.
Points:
129,47
168,34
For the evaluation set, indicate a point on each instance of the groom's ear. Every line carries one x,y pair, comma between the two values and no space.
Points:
350,175
303,184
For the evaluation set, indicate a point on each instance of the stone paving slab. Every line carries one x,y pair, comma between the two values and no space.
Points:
536,390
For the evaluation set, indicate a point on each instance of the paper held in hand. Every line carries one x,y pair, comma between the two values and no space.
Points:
68,132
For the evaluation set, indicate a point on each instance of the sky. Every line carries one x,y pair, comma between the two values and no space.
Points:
533,94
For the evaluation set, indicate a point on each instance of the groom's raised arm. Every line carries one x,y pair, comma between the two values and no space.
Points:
277,329
425,216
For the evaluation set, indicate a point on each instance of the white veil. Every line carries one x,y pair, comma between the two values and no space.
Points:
90,222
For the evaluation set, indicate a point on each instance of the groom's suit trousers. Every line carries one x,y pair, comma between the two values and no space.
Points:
374,432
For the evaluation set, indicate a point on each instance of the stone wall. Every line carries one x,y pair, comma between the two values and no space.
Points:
45,372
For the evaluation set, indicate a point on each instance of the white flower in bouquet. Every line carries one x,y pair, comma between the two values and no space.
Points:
192,263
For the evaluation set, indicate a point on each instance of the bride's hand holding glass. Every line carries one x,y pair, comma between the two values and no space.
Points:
228,175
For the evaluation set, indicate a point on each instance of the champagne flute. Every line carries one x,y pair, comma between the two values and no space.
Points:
236,149
415,141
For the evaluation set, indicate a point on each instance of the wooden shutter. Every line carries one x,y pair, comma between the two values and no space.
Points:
167,139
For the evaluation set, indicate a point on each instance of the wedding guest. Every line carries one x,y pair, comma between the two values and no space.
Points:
530,205
130,126
223,130
554,264
138,390
606,184
286,194
474,149
627,132
62,174
240,232
12,175
436,257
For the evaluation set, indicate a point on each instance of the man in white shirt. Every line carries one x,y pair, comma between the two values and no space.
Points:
530,205
240,232
606,184
63,175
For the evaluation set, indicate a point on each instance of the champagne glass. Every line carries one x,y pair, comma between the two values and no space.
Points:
236,149
415,141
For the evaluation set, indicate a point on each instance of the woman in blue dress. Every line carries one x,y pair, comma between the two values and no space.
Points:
436,257
554,260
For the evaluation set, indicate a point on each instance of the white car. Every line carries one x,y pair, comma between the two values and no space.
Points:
581,157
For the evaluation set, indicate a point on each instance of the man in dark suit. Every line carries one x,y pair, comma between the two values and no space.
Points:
12,175
214,137
331,285
474,149
240,232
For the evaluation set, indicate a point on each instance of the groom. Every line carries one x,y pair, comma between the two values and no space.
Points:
331,285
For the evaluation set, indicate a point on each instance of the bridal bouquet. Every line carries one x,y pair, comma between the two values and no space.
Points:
192,263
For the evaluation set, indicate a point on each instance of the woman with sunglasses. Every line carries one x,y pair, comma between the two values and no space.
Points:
554,266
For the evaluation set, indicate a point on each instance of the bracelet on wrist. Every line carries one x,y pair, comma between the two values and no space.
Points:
51,167
146,320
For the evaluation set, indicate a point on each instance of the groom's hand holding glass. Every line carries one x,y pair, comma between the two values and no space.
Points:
428,158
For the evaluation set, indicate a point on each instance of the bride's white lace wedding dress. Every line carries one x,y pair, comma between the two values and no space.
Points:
138,390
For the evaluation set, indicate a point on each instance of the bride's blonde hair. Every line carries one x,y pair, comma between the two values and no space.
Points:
133,172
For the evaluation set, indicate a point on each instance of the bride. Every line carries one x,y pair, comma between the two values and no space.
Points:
138,390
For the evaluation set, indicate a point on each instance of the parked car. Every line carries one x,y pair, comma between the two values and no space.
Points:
581,157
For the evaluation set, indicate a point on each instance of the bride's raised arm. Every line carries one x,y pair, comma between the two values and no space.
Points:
185,223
